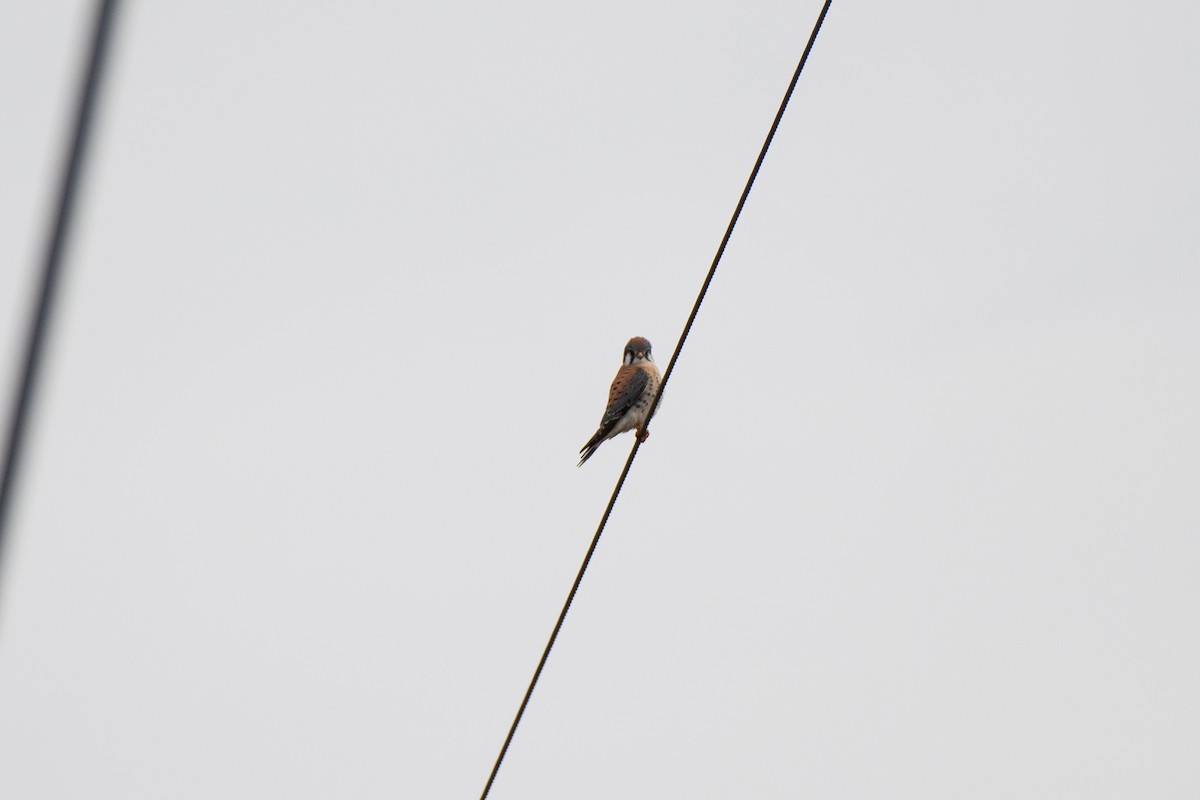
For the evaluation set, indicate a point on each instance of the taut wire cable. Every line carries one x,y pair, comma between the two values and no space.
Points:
35,339
666,377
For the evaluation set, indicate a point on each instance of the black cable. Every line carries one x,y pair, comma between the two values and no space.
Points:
52,263
666,376
537,673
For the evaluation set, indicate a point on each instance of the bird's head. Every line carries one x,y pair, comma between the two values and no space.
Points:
637,350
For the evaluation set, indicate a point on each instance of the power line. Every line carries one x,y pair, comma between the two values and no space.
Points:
52,262
737,212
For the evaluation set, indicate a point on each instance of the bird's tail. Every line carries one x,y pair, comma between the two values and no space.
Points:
589,448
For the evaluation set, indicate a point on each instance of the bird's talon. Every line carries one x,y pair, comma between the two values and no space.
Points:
643,434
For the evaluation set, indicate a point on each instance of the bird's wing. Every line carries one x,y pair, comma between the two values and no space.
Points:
626,389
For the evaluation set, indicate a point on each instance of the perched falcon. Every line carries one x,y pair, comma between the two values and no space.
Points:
629,398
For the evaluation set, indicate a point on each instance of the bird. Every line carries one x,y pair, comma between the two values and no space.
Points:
629,398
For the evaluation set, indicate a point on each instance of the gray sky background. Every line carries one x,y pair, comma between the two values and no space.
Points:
918,517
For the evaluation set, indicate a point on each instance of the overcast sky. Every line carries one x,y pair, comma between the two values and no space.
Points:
919,516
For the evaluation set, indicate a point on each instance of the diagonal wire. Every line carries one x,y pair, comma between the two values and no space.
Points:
737,212
52,262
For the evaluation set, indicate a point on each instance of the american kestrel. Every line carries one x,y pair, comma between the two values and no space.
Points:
629,398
